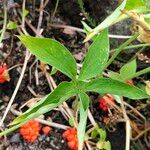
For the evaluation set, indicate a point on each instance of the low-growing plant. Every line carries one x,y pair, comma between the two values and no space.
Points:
89,79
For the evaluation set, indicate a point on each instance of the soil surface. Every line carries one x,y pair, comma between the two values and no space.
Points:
12,53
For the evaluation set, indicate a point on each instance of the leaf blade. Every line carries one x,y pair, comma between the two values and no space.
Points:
105,85
96,57
107,22
64,91
128,69
51,52
84,104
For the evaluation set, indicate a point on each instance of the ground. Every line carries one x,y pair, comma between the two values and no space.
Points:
12,53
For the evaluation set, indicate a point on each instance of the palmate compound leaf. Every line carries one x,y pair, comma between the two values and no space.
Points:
51,52
96,58
106,85
63,92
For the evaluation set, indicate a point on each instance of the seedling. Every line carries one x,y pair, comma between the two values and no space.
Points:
53,53
89,79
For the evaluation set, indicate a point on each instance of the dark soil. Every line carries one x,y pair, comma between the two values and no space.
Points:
13,53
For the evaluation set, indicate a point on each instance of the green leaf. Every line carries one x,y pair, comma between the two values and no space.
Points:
53,71
133,4
128,69
51,52
71,122
86,27
117,98
11,25
84,104
96,58
115,75
107,22
25,12
147,20
102,134
94,134
105,85
63,92
138,6
107,145
148,3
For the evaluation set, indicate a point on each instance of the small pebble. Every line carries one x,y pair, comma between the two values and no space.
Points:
15,138
42,137
47,139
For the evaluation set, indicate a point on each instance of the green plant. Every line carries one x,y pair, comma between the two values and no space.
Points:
86,15
89,79
102,144
138,6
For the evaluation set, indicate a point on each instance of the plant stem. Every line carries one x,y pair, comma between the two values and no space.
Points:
128,126
131,47
121,48
53,15
91,118
137,46
5,132
23,15
146,70
5,21
27,56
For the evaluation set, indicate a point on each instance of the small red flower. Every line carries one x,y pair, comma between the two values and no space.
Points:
71,136
105,102
30,130
4,75
46,130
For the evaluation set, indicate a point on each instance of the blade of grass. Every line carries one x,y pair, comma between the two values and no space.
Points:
121,48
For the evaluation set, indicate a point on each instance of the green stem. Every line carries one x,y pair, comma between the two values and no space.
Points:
146,70
132,47
115,54
137,46
7,131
